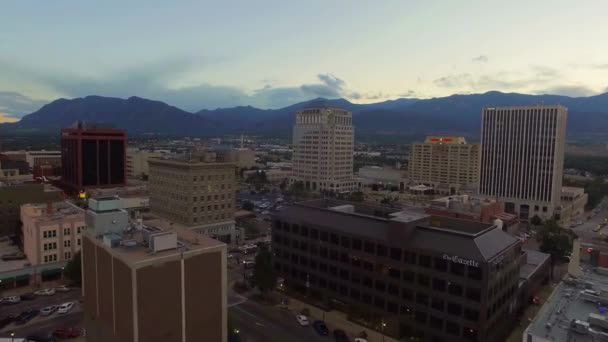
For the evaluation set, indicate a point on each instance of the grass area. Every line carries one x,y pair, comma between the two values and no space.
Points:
529,314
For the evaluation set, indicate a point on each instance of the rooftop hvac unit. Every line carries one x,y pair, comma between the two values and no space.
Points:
163,241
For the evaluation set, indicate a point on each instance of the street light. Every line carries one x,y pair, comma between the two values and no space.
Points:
383,326
12,336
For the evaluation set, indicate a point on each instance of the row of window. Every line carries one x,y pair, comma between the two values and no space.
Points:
50,258
50,246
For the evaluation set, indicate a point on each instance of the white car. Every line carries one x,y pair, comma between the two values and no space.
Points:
303,320
62,288
359,339
65,307
11,300
47,310
45,292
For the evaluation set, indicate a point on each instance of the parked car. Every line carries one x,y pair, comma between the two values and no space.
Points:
62,288
28,296
65,307
45,292
320,328
303,320
360,339
68,332
26,316
47,310
6,320
340,336
10,300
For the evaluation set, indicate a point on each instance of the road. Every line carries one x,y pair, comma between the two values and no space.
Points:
585,230
41,301
45,327
260,323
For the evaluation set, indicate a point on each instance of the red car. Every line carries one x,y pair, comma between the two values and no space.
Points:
68,332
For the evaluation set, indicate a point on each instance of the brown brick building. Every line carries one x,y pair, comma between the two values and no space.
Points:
151,284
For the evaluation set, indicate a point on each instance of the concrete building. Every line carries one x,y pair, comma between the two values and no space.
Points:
243,158
428,277
93,156
196,192
572,205
137,162
145,283
323,142
14,171
13,195
274,176
447,161
522,158
471,208
52,231
388,176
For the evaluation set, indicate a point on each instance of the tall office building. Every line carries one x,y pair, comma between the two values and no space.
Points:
522,157
149,283
449,161
323,143
195,191
93,156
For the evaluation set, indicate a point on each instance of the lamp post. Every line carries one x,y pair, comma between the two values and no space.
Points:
12,336
383,326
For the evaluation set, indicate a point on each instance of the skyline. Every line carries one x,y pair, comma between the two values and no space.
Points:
193,56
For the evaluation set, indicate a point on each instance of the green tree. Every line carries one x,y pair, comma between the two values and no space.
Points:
248,205
536,221
555,240
264,277
73,270
357,196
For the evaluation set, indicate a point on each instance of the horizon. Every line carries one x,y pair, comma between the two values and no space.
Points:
272,55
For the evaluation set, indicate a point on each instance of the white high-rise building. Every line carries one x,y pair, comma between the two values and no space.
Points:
323,140
522,157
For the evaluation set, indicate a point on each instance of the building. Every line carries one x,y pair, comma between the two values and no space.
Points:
522,158
274,176
323,143
145,283
137,162
42,157
93,156
13,195
414,275
196,192
387,176
14,171
471,208
52,231
572,205
243,158
447,161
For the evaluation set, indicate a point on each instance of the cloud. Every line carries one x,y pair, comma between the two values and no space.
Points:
600,66
480,59
454,81
13,104
568,90
409,93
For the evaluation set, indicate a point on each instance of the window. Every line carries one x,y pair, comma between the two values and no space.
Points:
471,315
66,231
424,261
423,280
66,243
436,323
409,257
422,299
381,250
356,244
439,284
441,264
474,273
67,255
380,286
420,317
394,273
379,302
369,247
324,236
473,294
455,289
454,309
396,254
314,234
452,328
78,242
457,269
408,276
437,304
345,242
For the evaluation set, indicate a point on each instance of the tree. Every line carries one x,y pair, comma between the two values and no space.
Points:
73,270
264,277
248,205
536,221
555,240
357,196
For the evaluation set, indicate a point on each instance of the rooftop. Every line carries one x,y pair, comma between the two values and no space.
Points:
6,248
470,239
51,211
567,303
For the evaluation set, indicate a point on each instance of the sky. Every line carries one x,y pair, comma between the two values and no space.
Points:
270,54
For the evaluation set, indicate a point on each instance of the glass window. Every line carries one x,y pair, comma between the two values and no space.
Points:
424,261
441,264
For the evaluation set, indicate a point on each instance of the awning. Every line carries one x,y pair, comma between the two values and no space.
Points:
9,280
51,272
22,277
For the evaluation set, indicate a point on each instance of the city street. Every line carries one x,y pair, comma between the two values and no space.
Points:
585,230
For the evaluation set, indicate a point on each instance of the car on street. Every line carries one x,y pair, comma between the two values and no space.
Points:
360,339
63,288
10,300
28,296
26,316
6,320
303,320
47,310
340,336
68,332
265,212
45,292
65,307
321,328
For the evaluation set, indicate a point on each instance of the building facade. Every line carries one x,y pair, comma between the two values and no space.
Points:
93,157
413,275
198,194
52,231
12,196
522,158
150,284
572,206
137,162
323,145
449,161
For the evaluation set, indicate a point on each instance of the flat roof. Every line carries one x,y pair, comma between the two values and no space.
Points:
463,238
564,305
11,265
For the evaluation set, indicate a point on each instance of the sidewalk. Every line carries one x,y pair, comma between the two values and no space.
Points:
336,320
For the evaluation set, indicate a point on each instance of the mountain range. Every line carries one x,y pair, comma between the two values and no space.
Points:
456,114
